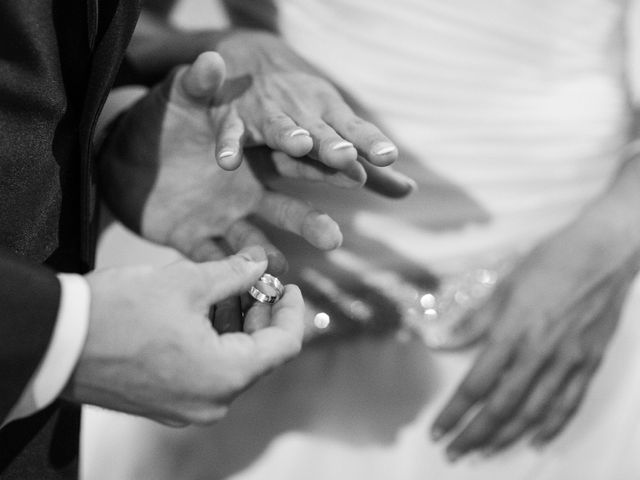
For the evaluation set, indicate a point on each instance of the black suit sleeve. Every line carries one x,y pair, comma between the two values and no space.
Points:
29,299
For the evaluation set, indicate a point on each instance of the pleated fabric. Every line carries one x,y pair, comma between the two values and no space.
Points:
522,104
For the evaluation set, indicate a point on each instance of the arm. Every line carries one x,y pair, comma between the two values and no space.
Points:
552,320
63,351
29,296
151,350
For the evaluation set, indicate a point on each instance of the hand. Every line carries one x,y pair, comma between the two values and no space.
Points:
160,179
274,164
274,97
271,88
151,350
552,320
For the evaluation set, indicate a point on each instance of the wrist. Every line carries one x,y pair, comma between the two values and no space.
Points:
611,224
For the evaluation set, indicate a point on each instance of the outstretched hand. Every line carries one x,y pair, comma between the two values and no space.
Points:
274,97
160,178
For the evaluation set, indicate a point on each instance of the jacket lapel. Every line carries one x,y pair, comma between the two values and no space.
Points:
116,20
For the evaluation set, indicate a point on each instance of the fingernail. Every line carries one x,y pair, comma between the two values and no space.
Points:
384,148
226,153
437,434
298,132
253,254
342,145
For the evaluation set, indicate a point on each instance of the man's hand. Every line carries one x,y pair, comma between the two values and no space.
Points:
151,349
160,178
274,97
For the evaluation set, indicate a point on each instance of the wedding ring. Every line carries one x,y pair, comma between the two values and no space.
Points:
268,289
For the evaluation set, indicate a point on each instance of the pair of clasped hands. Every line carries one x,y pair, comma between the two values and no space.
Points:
172,170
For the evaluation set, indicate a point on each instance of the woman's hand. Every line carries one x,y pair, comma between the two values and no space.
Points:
552,318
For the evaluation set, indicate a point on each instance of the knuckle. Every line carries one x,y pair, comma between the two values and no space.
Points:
238,266
357,126
317,127
276,122
574,355
287,214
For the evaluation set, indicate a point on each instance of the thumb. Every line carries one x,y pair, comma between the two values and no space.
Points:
235,274
200,81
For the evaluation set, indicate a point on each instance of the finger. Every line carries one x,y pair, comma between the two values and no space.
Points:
230,131
477,384
319,229
258,316
206,250
242,234
283,134
538,402
306,168
329,147
256,354
227,315
233,275
388,182
200,81
282,339
500,403
370,142
564,408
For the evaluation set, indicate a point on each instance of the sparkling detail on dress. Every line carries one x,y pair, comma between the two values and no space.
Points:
444,319
441,315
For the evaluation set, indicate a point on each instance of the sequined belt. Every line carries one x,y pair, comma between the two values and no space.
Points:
383,301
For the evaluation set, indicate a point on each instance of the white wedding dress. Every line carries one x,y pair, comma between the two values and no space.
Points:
513,115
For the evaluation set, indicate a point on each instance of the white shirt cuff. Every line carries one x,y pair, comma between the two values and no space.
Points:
67,342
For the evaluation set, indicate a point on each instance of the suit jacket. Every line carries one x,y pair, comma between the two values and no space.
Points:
58,61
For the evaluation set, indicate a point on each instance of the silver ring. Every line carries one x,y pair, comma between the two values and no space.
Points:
268,289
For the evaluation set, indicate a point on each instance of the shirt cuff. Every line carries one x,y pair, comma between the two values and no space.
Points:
61,357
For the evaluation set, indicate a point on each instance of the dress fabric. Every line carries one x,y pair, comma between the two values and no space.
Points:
512,116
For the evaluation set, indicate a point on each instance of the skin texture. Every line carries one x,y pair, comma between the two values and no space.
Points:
152,351
273,97
280,98
552,320
160,178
